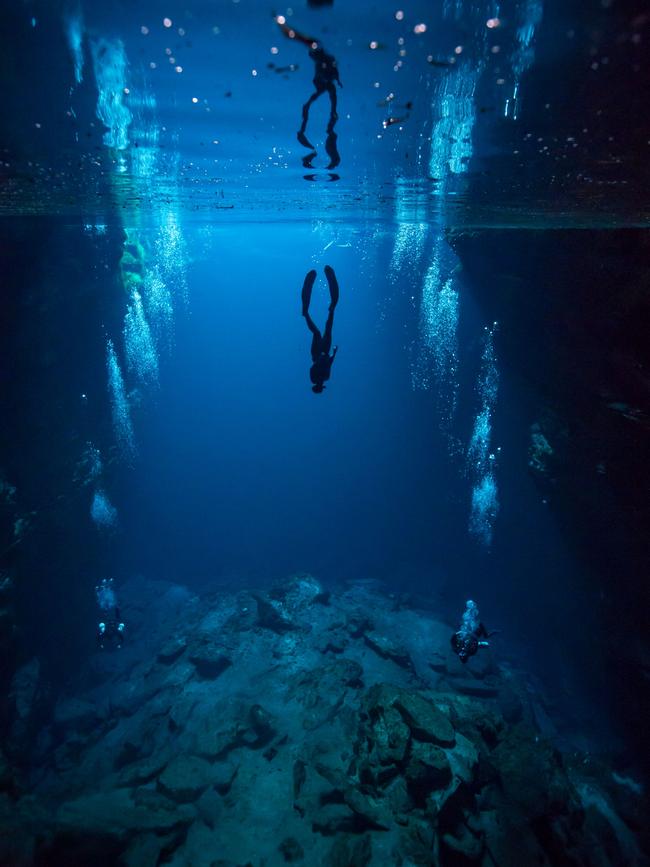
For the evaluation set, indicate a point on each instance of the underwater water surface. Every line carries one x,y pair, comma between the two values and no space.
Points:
324,450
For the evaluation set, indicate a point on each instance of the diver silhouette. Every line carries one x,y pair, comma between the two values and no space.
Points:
326,76
320,343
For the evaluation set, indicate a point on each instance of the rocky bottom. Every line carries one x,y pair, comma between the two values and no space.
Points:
300,726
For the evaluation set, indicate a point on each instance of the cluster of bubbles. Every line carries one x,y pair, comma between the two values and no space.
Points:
120,407
158,307
470,621
102,511
409,244
171,253
481,460
437,362
89,466
74,34
105,594
454,119
110,66
141,355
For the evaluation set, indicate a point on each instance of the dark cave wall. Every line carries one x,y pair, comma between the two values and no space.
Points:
574,313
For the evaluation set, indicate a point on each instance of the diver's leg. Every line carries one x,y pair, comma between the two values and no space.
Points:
316,341
307,286
326,342
331,89
330,142
333,284
302,138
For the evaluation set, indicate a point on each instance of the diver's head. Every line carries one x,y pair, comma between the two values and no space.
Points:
318,388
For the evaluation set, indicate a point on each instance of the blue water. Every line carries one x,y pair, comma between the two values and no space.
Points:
487,230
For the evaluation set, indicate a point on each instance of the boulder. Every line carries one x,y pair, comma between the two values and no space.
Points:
214,742
208,658
261,723
144,851
463,759
298,592
390,737
117,814
357,624
486,688
463,847
333,818
184,778
399,800
76,715
291,850
271,615
142,772
532,777
428,770
388,649
368,811
172,649
510,705
425,721
24,689
223,776
349,851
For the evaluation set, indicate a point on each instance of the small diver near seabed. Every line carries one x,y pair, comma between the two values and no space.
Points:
326,77
110,629
321,344
471,634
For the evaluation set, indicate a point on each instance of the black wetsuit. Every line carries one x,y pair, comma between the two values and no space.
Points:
112,633
467,644
321,344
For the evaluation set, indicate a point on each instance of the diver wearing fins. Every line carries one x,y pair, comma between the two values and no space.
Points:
471,634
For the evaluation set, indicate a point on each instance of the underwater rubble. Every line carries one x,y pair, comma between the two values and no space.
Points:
300,725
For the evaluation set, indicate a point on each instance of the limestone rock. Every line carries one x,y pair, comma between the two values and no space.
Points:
214,742
116,813
142,772
184,778
463,847
349,851
291,850
358,623
428,770
391,737
463,759
532,777
172,649
76,715
144,851
388,649
298,592
270,615
208,658
487,688
426,722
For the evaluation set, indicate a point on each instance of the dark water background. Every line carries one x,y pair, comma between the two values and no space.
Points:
242,474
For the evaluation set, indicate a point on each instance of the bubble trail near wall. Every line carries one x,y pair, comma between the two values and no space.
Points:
481,460
120,409
141,355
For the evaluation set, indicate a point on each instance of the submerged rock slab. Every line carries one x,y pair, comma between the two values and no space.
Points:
184,778
428,769
117,813
388,649
209,659
426,722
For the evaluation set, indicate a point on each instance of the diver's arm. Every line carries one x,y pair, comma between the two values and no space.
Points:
291,33
336,349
